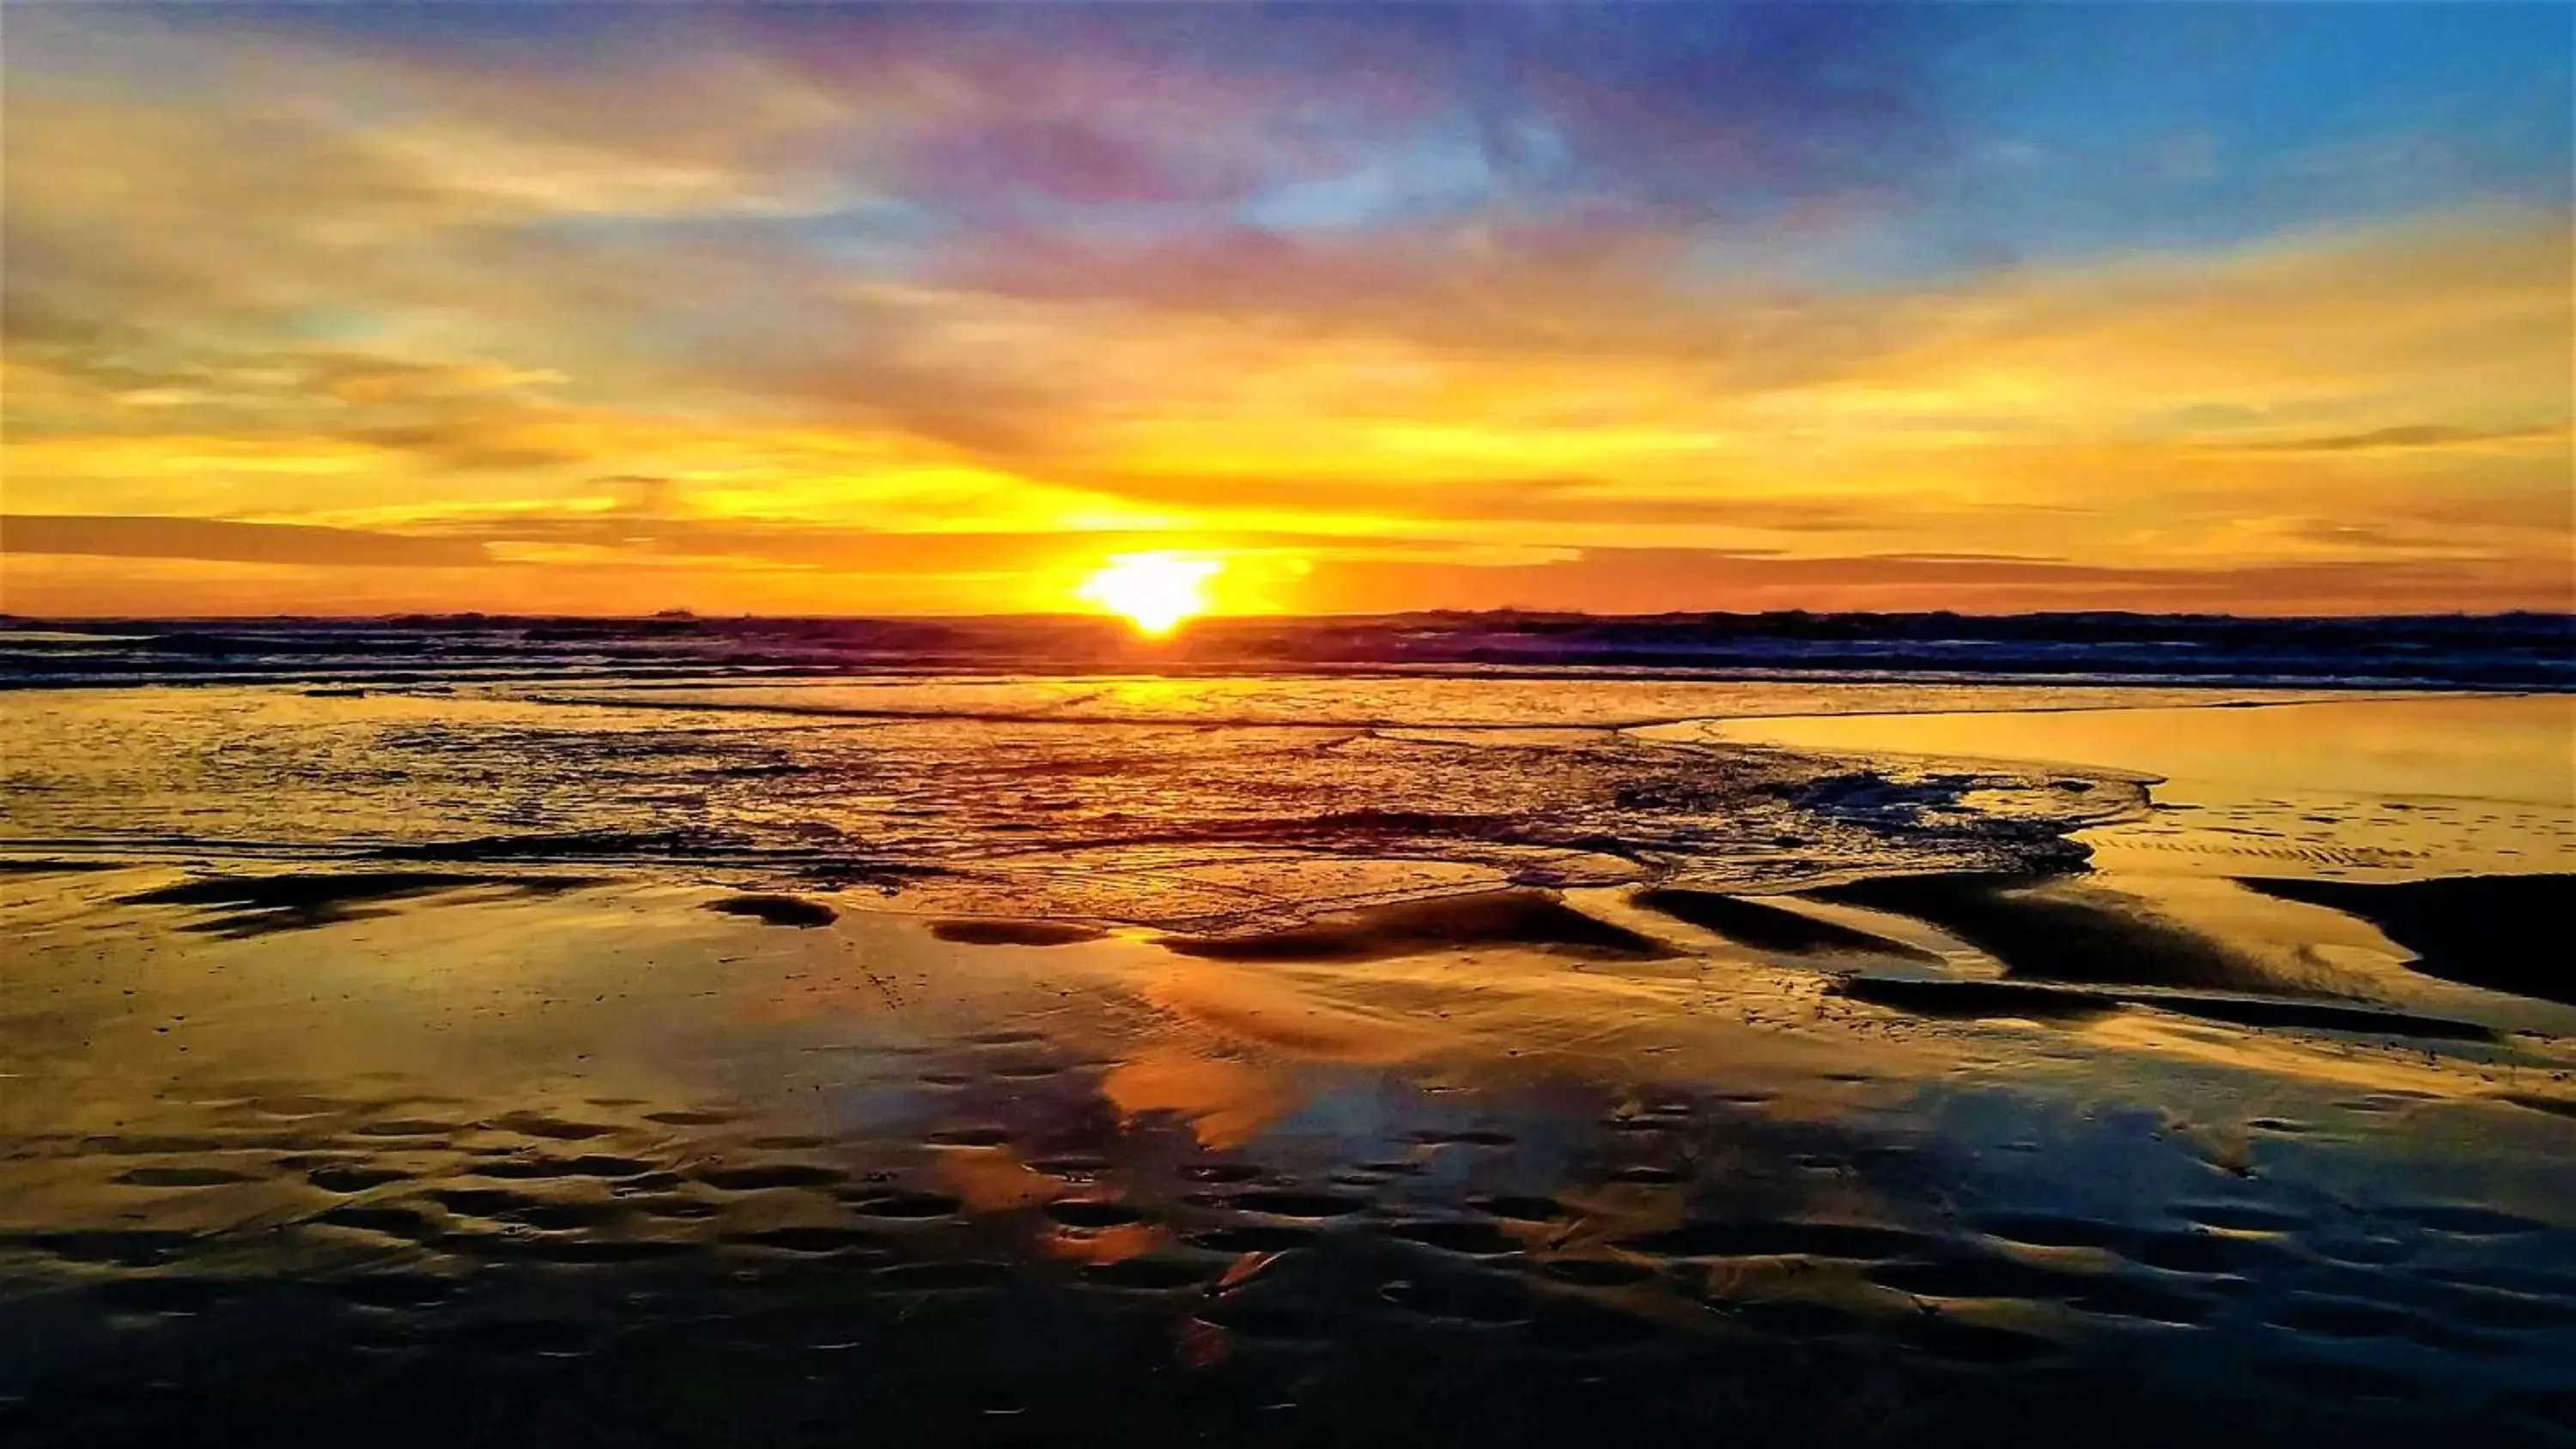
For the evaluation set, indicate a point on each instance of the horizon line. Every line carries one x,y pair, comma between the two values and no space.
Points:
10,620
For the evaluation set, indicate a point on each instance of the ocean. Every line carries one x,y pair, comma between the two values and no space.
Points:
1459,1029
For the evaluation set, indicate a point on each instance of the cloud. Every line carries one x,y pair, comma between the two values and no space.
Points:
1660,580
1471,281
2418,435
1067,160
641,543
230,542
1707,108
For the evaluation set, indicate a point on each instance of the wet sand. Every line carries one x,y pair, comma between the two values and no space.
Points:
2200,1139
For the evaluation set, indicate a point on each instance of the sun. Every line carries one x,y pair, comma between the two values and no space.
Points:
1155,590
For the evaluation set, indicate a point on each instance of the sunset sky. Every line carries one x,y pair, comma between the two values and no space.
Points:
937,308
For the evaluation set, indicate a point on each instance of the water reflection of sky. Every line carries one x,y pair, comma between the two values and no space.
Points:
1699,1145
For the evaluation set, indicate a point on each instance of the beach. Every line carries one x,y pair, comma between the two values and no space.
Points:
1502,725
1287,1061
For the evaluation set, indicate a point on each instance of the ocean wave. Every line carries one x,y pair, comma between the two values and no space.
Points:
2512,651
1182,824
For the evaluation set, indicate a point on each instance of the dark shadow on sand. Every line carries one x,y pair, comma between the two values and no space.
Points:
57,867
1771,928
258,905
2502,932
2061,937
777,910
2044,1001
994,931
1493,918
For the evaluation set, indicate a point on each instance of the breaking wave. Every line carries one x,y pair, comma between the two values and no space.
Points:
1196,821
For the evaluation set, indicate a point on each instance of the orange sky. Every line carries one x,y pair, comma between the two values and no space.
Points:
885,312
